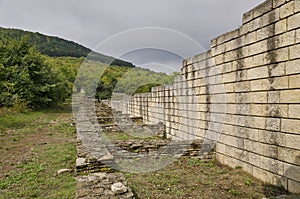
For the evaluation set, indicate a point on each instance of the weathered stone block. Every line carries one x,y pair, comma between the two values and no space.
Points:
289,155
288,38
253,159
292,141
258,85
293,67
277,3
296,6
255,24
290,96
272,165
277,70
265,32
294,81
280,55
259,72
294,111
270,17
270,137
291,126
281,26
258,110
280,83
293,21
263,8
287,10
273,124
242,86
258,47
257,122
295,51
229,77
248,16
294,186
297,37
244,29
292,171
258,97
264,175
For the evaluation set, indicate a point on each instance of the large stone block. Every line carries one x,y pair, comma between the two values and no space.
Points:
259,85
255,24
258,47
280,83
257,122
294,186
270,17
293,67
258,97
272,165
294,51
258,110
253,159
281,26
273,124
290,96
288,38
277,3
294,81
291,126
289,155
270,137
287,10
292,172
294,111
293,22
296,6
297,38
265,176
265,32
263,8
292,141
248,16
259,72
229,77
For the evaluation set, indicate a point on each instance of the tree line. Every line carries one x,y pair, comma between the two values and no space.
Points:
35,80
27,78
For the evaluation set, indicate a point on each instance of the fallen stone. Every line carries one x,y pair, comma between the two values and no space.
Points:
118,188
80,162
107,157
61,171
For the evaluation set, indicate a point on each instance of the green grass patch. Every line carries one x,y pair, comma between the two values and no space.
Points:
46,139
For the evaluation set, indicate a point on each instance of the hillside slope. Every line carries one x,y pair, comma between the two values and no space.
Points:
58,47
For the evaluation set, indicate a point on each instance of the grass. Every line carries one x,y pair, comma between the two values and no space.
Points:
34,146
193,178
125,136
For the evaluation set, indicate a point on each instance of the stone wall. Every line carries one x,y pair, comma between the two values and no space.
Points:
244,93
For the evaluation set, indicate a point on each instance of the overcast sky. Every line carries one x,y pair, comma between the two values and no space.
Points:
91,22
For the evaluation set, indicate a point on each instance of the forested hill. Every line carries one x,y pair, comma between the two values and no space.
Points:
58,47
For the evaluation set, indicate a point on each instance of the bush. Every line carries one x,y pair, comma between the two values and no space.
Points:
26,80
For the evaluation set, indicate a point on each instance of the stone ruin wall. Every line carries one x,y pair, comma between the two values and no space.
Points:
244,92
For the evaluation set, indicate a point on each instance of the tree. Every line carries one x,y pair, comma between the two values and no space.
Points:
26,77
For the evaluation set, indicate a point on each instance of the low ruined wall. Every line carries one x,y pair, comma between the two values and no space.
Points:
243,93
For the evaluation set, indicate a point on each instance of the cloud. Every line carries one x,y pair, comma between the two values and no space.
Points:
91,22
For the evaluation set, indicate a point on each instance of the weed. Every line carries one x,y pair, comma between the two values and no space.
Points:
234,192
248,182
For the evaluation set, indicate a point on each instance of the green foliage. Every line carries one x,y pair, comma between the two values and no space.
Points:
25,77
57,47
129,81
